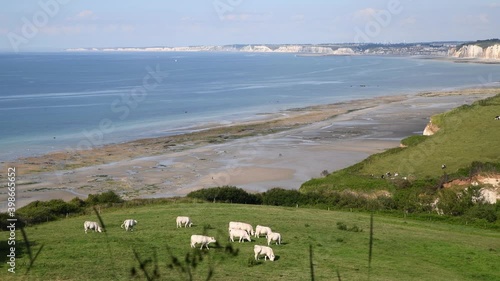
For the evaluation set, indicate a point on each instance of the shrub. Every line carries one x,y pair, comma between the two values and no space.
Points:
282,197
226,194
103,198
482,211
477,168
42,211
4,221
341,226
457,203
324,173
355,228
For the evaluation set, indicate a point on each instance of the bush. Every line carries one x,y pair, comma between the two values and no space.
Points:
282,197
477,168
341,226
4,221
226,194
482,211
103,198
42,211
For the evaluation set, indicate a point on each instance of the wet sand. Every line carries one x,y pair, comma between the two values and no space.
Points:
282,150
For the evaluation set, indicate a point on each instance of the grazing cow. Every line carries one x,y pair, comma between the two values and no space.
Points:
201,239
259,229
443,166
241,225
242,234
128,224
186,221
91,225
497,117
273,236
267,252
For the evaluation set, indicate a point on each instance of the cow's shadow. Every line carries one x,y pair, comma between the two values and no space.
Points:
277,245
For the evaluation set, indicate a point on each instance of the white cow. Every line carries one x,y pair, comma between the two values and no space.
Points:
201,239
273,236
186,221
241,225
259,229
267,252
129,224
242,234
91,225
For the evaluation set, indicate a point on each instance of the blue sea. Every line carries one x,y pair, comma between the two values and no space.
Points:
68,101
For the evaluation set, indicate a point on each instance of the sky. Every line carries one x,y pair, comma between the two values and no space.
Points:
52,25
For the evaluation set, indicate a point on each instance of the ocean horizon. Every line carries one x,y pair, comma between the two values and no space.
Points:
69,101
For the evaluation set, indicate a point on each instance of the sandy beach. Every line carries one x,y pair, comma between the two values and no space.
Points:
281,150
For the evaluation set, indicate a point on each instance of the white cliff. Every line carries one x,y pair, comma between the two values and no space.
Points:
256,49
301,49
430,129
492,52
474,51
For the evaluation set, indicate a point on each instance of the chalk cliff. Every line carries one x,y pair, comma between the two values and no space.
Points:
475,51
304,49
430,129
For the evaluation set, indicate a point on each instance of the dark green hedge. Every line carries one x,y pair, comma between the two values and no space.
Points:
226,194
43,211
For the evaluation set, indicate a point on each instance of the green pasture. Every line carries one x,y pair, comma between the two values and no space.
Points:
467,134
402,249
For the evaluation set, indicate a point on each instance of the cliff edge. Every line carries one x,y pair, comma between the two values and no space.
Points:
430,129
488,50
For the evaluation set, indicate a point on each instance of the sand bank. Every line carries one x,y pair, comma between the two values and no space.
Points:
282,150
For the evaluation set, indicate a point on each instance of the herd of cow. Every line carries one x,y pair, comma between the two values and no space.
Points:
242,231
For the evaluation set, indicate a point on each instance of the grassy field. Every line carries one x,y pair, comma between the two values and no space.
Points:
467,134
402,250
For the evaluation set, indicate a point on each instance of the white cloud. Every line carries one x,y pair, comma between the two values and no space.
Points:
483,18
409,20
247,17
64,29
475,19
84,15
365,14
75,29
298,18
127,28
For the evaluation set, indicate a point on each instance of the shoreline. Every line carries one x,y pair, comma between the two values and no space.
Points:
284,149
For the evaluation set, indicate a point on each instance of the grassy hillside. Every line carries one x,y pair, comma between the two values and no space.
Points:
467,134
403,250
482,43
